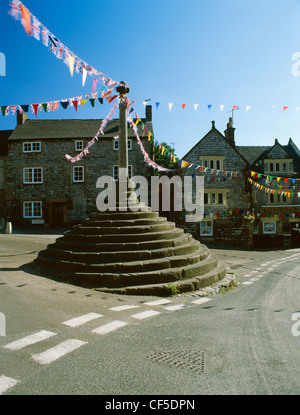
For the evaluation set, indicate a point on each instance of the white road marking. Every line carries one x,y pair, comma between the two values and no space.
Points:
107,328
247,282
158,302
78,321
175,307
58,351
6,383
254,279
28,340
201,300
124,307
145,314
247,275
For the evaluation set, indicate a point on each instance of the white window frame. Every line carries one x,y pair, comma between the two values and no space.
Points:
116,144
204,229
115,172
79,145
33,174
265,228
76,169
32,209
30,145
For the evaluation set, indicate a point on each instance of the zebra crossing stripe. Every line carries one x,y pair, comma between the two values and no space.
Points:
175,307
78,321
145,314
158,302
201,300
123,307
6,383
107,328
28,340
58,351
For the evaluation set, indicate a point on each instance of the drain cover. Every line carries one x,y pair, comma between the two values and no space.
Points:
193,360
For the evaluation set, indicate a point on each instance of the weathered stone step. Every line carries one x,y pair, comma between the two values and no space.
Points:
113,279
125,238
124,222
123,215
118,256
86,246
130,230
168,289
119,267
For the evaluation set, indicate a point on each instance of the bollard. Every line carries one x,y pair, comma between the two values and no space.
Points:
8,228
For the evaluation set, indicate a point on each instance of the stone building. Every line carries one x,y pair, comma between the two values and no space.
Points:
4,134
44,188
237,212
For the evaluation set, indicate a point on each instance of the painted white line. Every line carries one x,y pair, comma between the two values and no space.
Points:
175,307
107,328
247,275
145,314
254,279
263,265
158,302
124,307
254,272
58,351
6,383
201,300
28,340
78,321
247,282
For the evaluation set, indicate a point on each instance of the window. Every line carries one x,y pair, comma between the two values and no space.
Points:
206,228
269,227
78,174
116,172
271,167
212,197
277,198
32,209
213,162
116,144
32,147
79,144
277,167
32,175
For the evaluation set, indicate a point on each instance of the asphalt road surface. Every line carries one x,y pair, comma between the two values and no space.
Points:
58,339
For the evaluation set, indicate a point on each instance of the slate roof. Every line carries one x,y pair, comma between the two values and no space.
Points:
69,129
252,153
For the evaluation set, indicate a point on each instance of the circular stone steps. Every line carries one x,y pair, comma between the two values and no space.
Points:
131,253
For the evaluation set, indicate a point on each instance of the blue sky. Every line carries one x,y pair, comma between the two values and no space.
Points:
217,52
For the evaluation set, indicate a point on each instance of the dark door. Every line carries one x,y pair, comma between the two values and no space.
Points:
296,234
58,215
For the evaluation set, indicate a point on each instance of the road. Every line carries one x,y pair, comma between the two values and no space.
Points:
66,340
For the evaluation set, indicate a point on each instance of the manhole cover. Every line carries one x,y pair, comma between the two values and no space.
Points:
192,360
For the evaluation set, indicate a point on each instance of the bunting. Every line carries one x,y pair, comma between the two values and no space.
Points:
85,151
54,105
34,27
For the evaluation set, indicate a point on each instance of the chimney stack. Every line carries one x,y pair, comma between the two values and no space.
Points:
148,113
229,132
21,117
